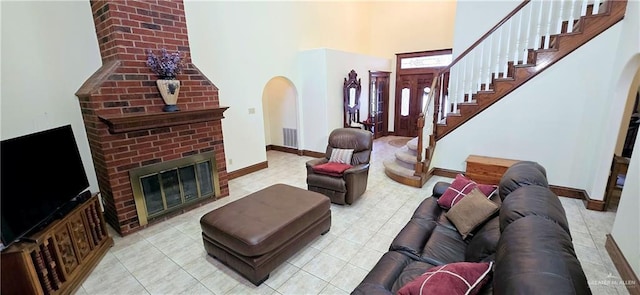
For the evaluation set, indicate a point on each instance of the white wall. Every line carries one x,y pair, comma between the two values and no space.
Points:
409,26
626,227
312,86
339,64
280,109
567,118
241,45
237,45
42,69
562,96
240,66
550,119
468,12
329,24
322,73
240,56
618,85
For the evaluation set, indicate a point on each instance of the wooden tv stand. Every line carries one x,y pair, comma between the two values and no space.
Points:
60,257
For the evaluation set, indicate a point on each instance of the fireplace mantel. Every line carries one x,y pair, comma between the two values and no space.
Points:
145,121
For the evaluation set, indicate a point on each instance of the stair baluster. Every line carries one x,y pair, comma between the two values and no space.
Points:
583,10
560,18
572,17
596,7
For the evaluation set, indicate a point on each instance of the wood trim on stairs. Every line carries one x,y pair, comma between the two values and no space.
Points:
486,35
247,170
404,180
627,276
590,27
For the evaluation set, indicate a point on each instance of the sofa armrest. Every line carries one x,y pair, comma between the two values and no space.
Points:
356,169
314,162
355,179
440,188
413,237
383,275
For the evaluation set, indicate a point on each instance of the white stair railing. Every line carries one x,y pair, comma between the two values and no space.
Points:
531,26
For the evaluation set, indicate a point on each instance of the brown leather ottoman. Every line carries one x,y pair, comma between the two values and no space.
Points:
257,233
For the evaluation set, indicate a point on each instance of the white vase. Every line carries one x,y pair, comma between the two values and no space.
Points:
169,91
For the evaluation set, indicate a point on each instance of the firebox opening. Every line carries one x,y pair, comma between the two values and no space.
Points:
162,188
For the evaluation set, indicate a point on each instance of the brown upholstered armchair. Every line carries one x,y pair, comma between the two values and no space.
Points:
345,187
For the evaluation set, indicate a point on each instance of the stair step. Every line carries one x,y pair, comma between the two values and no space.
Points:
550,49
507,79
521,66
407,156
413,144
397,169
483,92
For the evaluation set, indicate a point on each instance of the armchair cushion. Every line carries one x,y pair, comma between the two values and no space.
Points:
341,156
331,168
460,187
453,278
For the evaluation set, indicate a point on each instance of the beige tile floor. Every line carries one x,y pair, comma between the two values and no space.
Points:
169,258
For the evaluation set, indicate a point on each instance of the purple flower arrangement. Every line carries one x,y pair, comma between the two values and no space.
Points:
167,65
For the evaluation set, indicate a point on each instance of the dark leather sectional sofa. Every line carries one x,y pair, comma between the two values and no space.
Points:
529,240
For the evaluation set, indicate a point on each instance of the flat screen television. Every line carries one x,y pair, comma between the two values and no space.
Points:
40,174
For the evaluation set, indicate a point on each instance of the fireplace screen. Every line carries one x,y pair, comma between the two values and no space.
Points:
168,186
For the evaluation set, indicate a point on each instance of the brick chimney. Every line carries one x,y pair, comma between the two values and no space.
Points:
122,108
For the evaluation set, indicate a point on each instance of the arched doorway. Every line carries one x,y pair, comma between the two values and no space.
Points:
622,244
280,112
627,135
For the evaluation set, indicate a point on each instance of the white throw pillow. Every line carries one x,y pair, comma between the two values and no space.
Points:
341,156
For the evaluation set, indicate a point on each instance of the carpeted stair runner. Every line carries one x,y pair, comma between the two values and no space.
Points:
403,164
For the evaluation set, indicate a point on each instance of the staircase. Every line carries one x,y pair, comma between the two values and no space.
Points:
527,41
402,167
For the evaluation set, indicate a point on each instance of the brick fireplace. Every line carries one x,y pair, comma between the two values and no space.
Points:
122,108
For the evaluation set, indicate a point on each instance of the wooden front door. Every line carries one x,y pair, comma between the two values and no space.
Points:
410,91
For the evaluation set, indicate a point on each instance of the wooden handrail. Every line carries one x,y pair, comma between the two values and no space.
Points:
433,87
474,45
419,165
420,128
